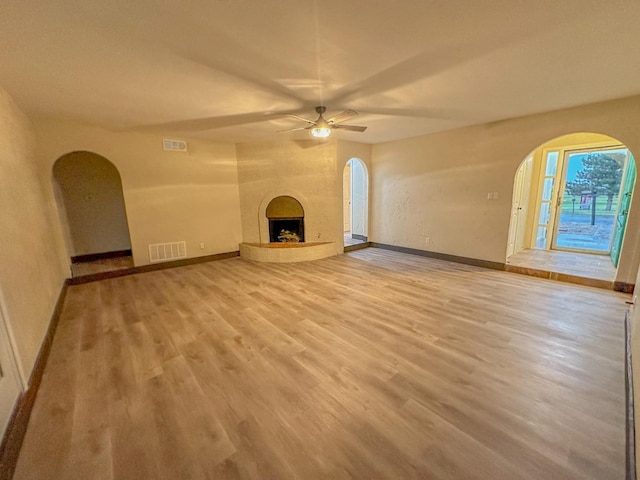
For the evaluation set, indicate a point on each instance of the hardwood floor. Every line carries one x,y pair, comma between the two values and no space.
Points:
374,364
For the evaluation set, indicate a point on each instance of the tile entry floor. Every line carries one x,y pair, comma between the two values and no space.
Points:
348,241
100,266
586,265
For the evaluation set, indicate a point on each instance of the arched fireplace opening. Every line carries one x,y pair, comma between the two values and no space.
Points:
286,220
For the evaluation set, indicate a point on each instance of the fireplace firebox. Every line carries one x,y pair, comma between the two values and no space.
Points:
286,230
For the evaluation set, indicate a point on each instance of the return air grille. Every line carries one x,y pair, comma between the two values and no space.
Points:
174,145
161,252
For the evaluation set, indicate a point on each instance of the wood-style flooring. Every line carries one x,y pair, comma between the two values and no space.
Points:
370,365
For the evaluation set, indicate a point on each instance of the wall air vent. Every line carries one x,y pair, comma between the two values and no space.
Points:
162,252
174,145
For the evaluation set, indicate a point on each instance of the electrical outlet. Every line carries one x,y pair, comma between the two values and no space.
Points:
427,240
201,245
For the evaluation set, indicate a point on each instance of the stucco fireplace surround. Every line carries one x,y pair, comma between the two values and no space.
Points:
282,234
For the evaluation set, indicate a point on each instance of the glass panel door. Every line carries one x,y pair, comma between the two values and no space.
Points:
623,209
546,199
588,202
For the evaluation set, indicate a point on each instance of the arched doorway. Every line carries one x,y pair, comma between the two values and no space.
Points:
571,199
92,210
355,202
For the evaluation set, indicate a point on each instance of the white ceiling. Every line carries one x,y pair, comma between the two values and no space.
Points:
229,69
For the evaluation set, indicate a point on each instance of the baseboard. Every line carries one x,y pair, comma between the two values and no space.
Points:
442,256
624,287
17,426
94,277
90,257
357,236
630,430
359,246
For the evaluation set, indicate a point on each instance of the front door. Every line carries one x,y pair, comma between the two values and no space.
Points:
623,210
588,203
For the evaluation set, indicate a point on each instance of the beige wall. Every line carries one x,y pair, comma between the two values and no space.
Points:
89,189
169,196
436,185
32,264
305,170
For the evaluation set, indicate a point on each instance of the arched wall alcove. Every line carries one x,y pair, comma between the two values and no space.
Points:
544,211
355,194
91,205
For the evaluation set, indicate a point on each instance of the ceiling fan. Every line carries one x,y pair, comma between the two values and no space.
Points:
321,128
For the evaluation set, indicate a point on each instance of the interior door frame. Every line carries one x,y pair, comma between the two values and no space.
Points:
10,367
560,194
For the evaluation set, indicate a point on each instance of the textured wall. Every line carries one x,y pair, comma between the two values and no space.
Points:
169,196
436,185
305,170
32,265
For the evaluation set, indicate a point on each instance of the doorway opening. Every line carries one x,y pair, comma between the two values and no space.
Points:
571,198
91,205
355,195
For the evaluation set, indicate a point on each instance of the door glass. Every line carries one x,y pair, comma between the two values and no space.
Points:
541,237
626,192
589,202
548,182
552,164
547,189
544,214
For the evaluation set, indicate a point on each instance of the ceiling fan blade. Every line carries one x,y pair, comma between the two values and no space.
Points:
352,128
341,117
294,129
312,122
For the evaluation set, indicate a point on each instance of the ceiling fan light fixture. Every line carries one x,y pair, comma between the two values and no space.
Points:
321,132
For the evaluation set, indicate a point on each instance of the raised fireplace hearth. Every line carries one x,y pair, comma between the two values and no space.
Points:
286,220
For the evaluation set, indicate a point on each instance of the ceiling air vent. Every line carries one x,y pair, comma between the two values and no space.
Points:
174,145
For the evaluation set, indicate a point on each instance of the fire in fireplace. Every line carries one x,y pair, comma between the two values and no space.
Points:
286,220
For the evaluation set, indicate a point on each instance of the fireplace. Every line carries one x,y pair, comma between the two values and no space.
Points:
286,230
286,220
